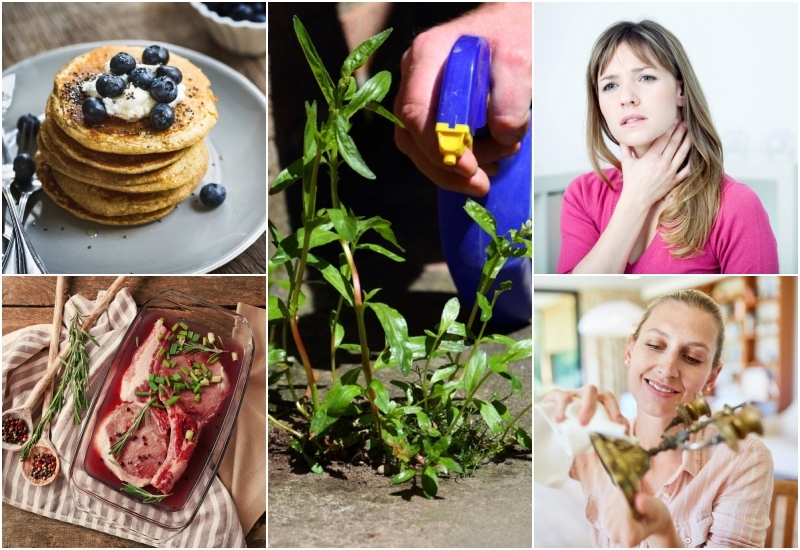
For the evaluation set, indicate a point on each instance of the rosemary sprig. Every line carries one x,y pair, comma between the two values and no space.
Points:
76,375
116,450
190,348
149,498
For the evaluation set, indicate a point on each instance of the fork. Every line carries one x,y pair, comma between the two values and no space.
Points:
26,140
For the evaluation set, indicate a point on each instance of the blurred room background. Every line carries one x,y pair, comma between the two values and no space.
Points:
581,327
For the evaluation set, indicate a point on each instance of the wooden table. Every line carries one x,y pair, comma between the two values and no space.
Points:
29,300
34,28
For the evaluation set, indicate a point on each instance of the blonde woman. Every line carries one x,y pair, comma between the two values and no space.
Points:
710,497
666,206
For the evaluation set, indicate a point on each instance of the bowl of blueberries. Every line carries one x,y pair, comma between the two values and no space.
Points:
240,27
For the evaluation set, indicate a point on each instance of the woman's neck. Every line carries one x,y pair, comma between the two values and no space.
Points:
648,429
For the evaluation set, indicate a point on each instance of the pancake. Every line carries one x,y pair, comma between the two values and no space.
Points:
194,116
114,203
110,162
177,174
51,188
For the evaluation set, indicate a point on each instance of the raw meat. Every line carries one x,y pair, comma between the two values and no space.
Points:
146,449
212,396
179,451
145,361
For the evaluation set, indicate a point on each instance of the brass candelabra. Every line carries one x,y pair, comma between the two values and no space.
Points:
628,462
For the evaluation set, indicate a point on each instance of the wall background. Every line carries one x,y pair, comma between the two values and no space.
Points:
745,56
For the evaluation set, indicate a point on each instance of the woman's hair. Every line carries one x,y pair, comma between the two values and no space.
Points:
689,217
697,300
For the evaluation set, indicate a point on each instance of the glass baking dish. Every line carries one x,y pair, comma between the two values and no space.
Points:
98,493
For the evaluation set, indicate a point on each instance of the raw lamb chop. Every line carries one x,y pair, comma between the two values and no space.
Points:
179,451
145,361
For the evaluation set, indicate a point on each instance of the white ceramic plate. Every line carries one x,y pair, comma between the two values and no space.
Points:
192,238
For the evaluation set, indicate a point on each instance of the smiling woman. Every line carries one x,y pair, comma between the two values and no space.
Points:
666,206
708,498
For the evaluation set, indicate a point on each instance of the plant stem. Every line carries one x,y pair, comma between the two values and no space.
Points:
298,281
333,338
284,427
514,421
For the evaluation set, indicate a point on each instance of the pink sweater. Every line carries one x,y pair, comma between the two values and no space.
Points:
741,239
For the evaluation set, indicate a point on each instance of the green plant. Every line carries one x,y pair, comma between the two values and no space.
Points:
439,425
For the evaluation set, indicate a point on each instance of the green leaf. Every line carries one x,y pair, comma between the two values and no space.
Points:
350,347
276,356
486,307
474,371
347,148
497,364
381,395
351,377
449,314
344,223
291,246
338,330
361,53
368,295
523,438
274,309
373,89
287,177
490,416
381,226
351,88
450,464
313,464
310,133
333,276
381,110
320,73
380,250
396,330
443,372
482,217
333,407
519,350
402,477
430,483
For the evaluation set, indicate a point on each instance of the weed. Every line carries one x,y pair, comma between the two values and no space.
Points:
439,426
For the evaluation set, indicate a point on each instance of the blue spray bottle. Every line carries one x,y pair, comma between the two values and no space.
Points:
462,111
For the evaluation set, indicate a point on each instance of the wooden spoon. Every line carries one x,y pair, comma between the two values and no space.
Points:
42,446
24,412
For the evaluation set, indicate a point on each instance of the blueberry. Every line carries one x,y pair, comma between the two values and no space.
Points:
173,72
162,116
94,110
109,85
142,77
24,167
164,89
241,12
122,63
155,55
212,194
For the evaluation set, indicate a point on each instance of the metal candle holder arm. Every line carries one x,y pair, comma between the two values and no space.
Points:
628,462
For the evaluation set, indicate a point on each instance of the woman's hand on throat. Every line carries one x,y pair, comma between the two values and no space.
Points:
649,179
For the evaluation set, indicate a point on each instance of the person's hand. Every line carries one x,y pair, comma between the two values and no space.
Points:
589,398
650,178
625,530
507,27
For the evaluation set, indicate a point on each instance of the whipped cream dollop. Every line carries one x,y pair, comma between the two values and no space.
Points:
133,103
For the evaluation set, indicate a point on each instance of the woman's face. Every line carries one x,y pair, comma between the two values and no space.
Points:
672,359
639,100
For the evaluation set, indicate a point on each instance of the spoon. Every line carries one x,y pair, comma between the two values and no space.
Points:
42,446
46,382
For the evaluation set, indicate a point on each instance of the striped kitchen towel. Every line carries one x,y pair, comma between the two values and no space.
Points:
25,355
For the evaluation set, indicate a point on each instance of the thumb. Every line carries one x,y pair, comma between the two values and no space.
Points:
644,506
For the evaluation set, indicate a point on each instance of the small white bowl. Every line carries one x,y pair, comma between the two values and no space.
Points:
242,37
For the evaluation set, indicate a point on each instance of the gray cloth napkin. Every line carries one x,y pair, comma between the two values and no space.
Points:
25,354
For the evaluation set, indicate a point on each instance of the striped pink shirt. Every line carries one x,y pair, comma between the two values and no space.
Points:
716,498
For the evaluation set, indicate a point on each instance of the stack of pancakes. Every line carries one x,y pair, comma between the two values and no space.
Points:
117,172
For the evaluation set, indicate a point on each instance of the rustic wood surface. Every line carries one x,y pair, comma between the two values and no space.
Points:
34,28
29,300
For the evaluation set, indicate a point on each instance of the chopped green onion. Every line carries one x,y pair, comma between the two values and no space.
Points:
168,381
175,326
165,363
184,326
213,360
160,336
184,370
137,341
216,379
195,337
205,341
152,386
174,349
204,382
176,377
144,393
210,337
172,365
161,351
234,355
197,398
180,387
158,380
189,435
172,400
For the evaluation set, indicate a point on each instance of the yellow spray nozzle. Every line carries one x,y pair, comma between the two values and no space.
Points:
453,141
